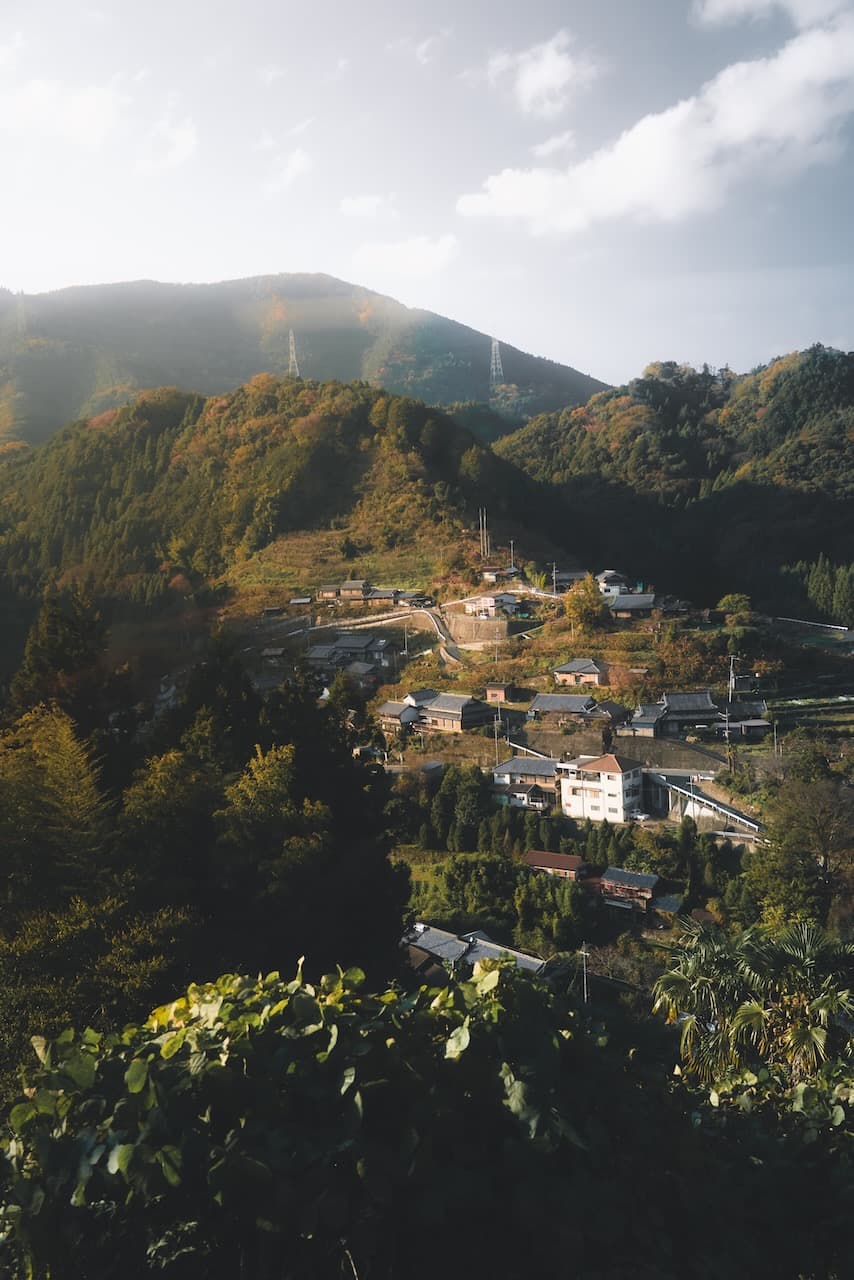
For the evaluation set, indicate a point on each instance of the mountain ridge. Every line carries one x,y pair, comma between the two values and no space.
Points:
74,352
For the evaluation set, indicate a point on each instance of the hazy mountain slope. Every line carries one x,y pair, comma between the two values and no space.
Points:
77,351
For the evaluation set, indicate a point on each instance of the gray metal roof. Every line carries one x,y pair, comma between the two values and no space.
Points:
575,703
321,652
437,942
522,764
484,949
470,947
452,703
399,711
583,667
670,902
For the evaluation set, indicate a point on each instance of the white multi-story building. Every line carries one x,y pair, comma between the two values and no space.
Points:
602,788
611,583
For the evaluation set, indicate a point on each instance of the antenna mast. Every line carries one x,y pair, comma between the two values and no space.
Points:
293,366
496,370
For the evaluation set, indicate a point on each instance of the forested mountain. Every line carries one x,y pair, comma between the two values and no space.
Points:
75,352
702,482
176,487
709,477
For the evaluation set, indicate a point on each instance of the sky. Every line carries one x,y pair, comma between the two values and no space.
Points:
604,184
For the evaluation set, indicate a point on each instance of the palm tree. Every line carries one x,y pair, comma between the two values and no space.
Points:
755,1000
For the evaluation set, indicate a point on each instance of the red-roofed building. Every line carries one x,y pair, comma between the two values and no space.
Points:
567,866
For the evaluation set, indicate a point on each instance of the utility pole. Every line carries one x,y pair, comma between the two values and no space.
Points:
496,722
554,578
512,565
586,988
483,526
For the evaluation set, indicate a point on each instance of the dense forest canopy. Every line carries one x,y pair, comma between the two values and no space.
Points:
709,476
699,481
172,491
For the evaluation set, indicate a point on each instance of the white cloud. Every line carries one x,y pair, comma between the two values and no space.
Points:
368,206
269,74
543,77
804,13
552,146
169,144
84,117
264,142
287,169
412,259
769,118
10,49
423,51
301,126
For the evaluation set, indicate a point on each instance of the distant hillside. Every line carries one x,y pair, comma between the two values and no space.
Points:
709,477
76,352
279,484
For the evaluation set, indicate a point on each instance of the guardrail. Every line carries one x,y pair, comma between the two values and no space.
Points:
806,622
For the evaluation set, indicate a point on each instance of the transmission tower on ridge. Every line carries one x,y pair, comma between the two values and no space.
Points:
293,366
496,372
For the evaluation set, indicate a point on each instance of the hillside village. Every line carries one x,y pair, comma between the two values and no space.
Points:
566,715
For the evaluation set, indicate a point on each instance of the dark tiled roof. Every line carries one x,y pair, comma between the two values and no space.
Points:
420,697
700,701
452,703
573,703
608,710
648,713
583,667
632,603
744,710
554,861
631,879
353,643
